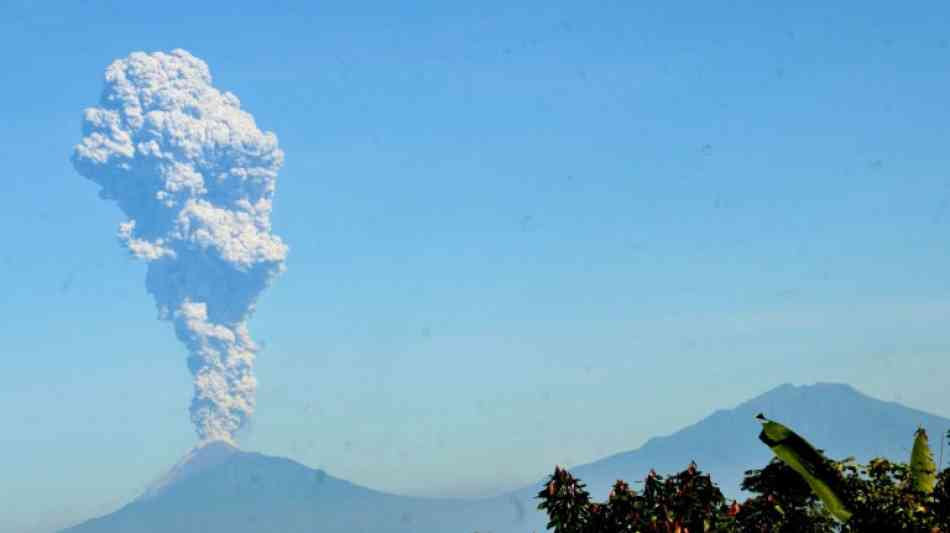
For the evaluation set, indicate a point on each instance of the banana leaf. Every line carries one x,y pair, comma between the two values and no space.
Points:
923,471
803,458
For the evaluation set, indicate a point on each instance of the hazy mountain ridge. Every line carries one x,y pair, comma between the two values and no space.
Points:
250,492
834,417
255,492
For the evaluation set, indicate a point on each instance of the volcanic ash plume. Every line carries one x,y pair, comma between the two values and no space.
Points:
196,179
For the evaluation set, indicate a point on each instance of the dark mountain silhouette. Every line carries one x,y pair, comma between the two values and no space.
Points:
229,491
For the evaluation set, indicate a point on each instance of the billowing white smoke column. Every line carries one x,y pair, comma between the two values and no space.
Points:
196,179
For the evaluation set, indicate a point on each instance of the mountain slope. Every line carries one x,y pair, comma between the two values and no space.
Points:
834,417
230,491
199,459
251,492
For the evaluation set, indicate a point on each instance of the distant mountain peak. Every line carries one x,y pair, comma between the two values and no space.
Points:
203,456
819,388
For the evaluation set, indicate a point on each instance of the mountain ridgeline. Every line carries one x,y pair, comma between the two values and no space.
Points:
220,489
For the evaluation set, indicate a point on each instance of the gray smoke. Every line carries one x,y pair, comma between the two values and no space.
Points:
196,179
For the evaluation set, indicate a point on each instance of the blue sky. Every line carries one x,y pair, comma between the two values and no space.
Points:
519,236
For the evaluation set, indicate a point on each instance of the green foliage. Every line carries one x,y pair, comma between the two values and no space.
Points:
685,502
885,499
803,458
782,503
880,496
566,502
941,499
923,469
